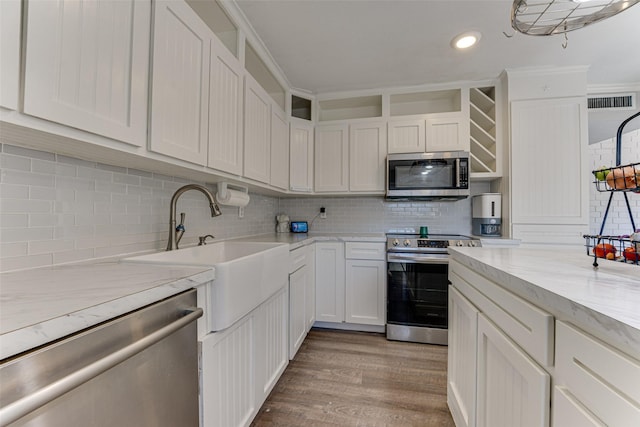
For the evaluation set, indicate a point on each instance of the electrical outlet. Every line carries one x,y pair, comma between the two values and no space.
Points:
323,213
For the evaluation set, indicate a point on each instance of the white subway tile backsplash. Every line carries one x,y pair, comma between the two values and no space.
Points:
50,246
14,220
14,191
8,161
13,249
26,178
28,152
8,235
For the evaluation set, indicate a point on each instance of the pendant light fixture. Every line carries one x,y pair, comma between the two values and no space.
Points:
548,17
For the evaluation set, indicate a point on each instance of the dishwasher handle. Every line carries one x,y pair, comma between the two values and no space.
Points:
33,401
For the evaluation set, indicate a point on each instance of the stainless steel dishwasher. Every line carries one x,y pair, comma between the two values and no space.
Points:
140,369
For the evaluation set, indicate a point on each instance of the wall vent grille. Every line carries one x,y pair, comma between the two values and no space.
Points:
612,102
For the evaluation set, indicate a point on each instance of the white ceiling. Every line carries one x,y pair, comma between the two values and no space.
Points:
334,45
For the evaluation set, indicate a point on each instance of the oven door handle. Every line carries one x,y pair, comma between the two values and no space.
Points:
418,258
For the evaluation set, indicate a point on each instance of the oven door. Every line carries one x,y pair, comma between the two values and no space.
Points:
417,298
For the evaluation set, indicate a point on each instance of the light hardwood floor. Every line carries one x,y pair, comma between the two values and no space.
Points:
360,379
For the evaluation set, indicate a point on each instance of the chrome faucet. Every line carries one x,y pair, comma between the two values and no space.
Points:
215,211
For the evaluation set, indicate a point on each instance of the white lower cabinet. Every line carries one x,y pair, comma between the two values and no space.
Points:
330,281
595,384
500,372
462,354
301,296
493,379
351,283
297,318
241,364
228,380
365,291
512,390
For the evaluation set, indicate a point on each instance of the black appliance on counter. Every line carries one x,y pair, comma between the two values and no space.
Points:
418,285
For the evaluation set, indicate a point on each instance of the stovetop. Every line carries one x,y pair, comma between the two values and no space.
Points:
430,243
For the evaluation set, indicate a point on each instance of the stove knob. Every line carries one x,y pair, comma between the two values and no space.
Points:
407,243
472,244
395,242
459,243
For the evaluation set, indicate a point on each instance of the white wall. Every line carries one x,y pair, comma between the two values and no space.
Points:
604,154
56,209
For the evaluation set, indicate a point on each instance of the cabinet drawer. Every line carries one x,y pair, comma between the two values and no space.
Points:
600,377
568,412
298,258
530,327
365,250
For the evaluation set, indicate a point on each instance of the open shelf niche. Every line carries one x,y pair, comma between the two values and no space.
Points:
482,127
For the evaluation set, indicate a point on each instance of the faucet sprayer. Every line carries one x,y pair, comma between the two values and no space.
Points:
215,210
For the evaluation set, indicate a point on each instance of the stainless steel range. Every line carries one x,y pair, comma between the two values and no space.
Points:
418,285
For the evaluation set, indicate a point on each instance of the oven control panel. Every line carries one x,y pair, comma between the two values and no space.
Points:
423,243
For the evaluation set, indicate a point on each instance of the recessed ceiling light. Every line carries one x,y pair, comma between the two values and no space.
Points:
465,40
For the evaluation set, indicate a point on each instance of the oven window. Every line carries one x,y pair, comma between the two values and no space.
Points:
417,294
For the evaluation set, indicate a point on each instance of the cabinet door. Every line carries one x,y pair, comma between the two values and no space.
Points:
330,265
366,292
301,156
257,138
461,369
225,110
445,134
567,411
512,389
548,154
272,343
297,317
367,154
310,295
279,149
228,378
92,72
180,88
10,19
331,159
406,136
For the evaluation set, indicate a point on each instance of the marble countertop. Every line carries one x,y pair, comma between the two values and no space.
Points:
41,305
604,301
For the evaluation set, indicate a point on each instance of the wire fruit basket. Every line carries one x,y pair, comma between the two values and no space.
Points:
618,179
614,248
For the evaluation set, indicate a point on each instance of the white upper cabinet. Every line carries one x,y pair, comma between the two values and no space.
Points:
367,154
438,133
445,134
180,88
87,65
279,149
301,156
407,136
332,158
257,122
225,111
10,20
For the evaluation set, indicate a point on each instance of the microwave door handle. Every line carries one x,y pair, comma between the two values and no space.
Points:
457,173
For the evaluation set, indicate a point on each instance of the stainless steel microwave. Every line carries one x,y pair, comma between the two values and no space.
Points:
428,176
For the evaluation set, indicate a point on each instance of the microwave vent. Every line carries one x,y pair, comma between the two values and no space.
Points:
612,102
